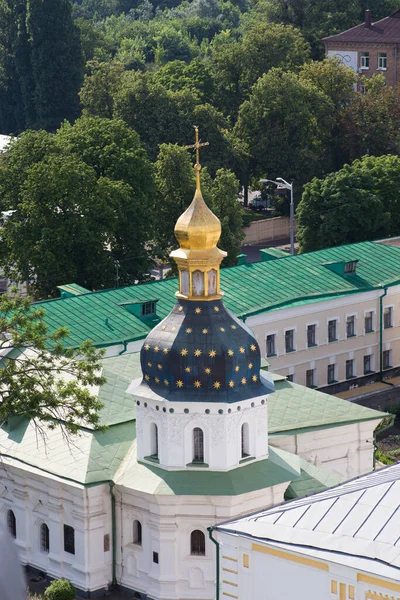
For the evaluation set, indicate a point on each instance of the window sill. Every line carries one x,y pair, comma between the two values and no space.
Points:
387,368
368,372
271,355
152,459
290,351
351,377
332,382
312,345
351,336
199,465
312,387
388,327
370,331
331,341
246,459
364,68
381,69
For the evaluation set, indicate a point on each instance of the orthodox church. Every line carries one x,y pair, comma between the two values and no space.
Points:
198,434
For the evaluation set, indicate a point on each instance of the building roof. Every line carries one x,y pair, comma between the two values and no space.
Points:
385,31
105,318
4,141
356,523
95,456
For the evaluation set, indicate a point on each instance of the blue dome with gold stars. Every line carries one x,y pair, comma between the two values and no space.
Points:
202,352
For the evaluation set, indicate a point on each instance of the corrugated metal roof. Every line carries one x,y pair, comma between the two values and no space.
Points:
249,288
360,519
386,30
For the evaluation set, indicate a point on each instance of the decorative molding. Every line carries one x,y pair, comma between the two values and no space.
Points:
395,587
309,562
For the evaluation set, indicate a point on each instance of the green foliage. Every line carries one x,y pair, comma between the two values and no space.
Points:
41,385
83,198
383,458
60,589
359,202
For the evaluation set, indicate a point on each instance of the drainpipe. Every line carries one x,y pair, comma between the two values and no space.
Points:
210,530
113,535
381,332
125,343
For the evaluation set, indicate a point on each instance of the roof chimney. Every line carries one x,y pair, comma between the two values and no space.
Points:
368,18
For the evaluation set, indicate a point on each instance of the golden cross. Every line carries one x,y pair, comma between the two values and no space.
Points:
196,146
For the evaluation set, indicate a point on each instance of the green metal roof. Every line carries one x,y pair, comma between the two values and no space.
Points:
100,317
312,480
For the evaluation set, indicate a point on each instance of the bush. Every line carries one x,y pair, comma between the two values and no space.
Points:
60,589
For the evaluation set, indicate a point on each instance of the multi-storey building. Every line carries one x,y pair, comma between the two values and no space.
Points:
370,48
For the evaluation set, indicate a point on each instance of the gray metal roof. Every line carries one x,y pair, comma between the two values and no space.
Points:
356,523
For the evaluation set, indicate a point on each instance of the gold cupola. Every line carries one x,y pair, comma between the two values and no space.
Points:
198,258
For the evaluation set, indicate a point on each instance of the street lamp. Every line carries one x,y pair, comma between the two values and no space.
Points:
288,186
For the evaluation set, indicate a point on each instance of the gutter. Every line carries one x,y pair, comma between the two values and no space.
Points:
210,530
113,535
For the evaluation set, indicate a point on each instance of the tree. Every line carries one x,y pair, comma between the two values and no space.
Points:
87,202
41,378
57,62
99,88
359,202
286,125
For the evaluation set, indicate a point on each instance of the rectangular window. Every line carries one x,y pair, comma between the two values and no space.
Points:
351,326
310,378
148,308
388,317
69,539
311,337
289,340
106,542
332,330
364,60
271,350
331,373
382,61
387,359
349,369
369,322
155,557
290,377
367,364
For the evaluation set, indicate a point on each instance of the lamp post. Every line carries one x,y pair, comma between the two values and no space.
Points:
288,186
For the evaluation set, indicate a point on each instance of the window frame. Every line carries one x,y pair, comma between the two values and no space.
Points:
148,308
289,335
310,385
312,327
44,538
12,523
245,440
69,539
370,361
369,315
364,58
329,379
387,317
382,61
273,336
332,323
350,362
200,542
351,320
387,353
137,532
198,445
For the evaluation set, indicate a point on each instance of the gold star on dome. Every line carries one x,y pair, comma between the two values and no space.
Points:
165,350
150,364
233,326
250,365
237,368
147,378
156,379
230,352
207,370
179,383
156,348
180,308
184,352
216,308
204,331
197,310
253,347
189,330
197,384
241,350
254,378
231,384
166,382
163,327
243,380
197,352
221,329
159,366
147,347
188,369
173,329
216,385
212,353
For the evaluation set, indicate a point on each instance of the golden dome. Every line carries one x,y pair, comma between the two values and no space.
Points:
198,228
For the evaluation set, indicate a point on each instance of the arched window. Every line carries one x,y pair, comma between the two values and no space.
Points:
197,543
153,440
12,523
198,445
245,440
44,538
137,533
